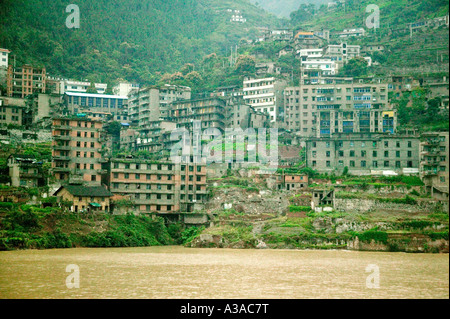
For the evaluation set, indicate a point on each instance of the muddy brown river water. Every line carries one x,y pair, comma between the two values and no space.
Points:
185,273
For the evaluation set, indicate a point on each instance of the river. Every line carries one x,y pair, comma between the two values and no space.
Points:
185,273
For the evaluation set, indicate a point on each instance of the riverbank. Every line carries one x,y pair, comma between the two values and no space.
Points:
31,227
424,233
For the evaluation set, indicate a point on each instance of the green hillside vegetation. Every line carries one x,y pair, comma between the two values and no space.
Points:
135,40
427,48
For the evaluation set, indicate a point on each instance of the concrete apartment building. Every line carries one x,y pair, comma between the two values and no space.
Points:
241,115
348,33
124,88
155,137
77,103
160,187
265,95
434,160
209,111
307,40
77,150
4,56
25,171
81,86
25,81
338,105
364,154
341,53
12,110
151,104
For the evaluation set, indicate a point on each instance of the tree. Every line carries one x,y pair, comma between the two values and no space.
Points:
355,67
245,64
92,88
194,77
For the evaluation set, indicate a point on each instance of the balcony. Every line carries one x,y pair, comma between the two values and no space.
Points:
62,137
62,158
30,175
61,169
63,127
62,148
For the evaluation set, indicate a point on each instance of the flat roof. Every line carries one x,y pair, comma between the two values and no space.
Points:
107,96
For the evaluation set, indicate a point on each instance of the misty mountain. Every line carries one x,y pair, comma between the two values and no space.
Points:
283,8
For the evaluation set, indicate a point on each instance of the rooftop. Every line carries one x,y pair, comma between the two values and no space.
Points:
86,191
107,96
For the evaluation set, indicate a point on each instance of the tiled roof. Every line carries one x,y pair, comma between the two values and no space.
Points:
86,191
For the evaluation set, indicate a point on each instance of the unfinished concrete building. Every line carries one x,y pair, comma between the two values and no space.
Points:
335,106
364,154
25,171
78,150
160,187
434,160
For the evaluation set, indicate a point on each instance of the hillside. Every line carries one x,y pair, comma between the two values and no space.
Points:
132,39
283,8
425,52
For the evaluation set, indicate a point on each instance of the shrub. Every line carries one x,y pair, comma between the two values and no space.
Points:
296,209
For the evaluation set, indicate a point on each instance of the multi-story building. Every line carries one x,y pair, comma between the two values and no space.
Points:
338,105
347,33
160,187
124,88
79,86
78,150
322,66
307,40
364,154
265,95
114,105
434,160
280,35
305,54
241,115
25,171
341,53
4,54
209,111
169,94
155,137
12,110
25,81
151,104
